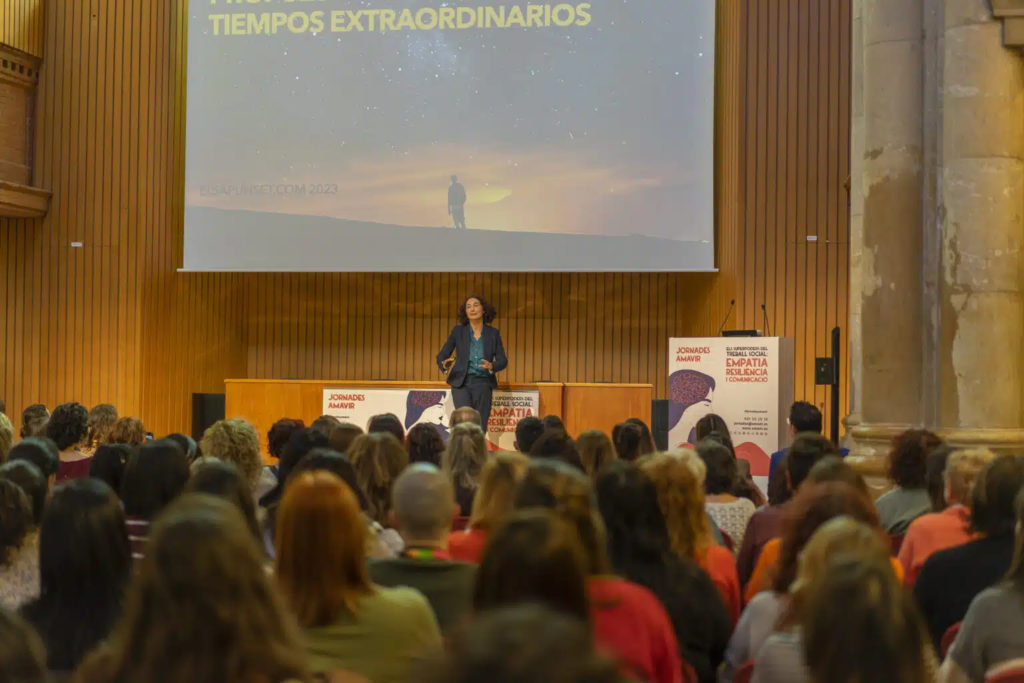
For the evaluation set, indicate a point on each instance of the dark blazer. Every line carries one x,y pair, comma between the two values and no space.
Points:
458,341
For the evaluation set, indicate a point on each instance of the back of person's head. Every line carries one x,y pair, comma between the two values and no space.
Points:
681,498
84,566
595,451
555,443
101,420
280,432
6,436
320,541
647,441
495,493
994,495
962,470
201,607
805,417
224,480
234,440
129,430
188,445
22,653
812,506
31,480
523,644
803,454
300,443
326,460
15,519
154,476
553,422
465,455
342,436
630,442
935,476
68,425
33,420
528,430
634,524
535,556
465,414
108,463
558,486
378,458
834,468
712,424
425,444
387,422
909,455
720,463
41,451
861,625
325,424
424,503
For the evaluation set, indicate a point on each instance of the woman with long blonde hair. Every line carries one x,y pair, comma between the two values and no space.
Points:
492,504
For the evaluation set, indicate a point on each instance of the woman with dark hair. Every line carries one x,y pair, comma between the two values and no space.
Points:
595,451
951,578
17,534
342,436
349,623
299,444
378,459
101,420
639,550
188,445
84,566
22,653
201,608
628,619
630,441
68,428
479,354
224,480
729,512
907,469
108,463
154,476
935,476
534,556
463,460
387,423
425,444
279,433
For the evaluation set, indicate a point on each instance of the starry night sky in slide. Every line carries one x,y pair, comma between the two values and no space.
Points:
598,129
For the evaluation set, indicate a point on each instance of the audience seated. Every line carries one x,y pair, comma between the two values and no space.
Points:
491,505
766,524
463,460
101,420
951,578
300,443
325,424
224,480
935,475
628,619
6,436
681,497
425,444
127,430
639,550
803,418
553,422
555,443
22,653
349,623
280,432
32,482
936,531
41,452
235,440
595,451
465,414
424,505
108,463
378,458
84,566
909,500
647,441
68,429
342,436
632,440
201,608
33,421
389,423
523,644
528,430
19,549
154,477
731,513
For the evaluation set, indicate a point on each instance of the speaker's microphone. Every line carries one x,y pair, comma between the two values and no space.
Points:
764,311
726,318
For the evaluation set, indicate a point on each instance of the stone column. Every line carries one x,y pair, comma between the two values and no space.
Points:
982,221
886,262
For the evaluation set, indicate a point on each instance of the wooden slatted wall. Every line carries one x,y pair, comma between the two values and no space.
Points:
114,321
21,25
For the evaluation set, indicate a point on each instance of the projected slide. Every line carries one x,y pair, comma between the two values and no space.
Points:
405,135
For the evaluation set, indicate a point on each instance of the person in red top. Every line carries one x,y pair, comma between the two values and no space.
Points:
937,531
491,505
68,427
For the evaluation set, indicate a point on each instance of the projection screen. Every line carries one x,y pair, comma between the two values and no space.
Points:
409,135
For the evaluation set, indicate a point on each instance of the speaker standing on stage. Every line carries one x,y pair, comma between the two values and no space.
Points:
478,355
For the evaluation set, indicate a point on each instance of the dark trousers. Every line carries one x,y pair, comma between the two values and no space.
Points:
476,392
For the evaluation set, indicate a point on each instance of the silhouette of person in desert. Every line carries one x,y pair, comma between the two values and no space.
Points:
457,203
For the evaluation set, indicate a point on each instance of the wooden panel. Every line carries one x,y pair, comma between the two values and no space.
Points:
114,321
602,406
21,25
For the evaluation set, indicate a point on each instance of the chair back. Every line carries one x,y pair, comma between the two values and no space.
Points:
1011,671
895,543
744,674
727,541
947,639
460,523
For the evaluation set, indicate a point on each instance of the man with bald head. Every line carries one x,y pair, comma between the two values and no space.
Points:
423,506
465,414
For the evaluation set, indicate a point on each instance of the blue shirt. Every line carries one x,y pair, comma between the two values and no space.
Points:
476,354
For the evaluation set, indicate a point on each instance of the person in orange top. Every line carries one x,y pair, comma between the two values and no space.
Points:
491,505
937,531
681,499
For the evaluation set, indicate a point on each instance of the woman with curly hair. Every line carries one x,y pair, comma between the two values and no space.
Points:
908,461
234,440
101,420
127,430
68,428
479,354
